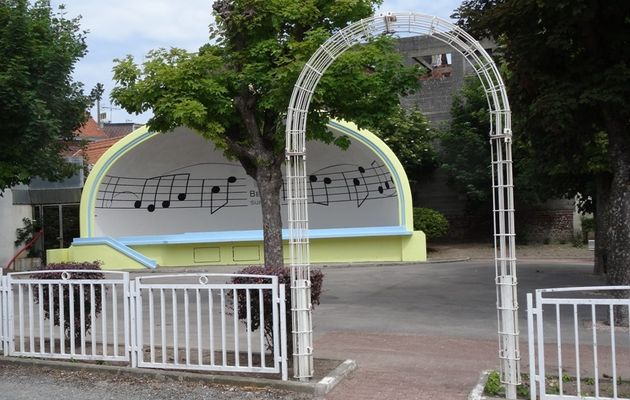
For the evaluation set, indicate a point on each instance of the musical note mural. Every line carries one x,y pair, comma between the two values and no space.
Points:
145,194
179,183
329,185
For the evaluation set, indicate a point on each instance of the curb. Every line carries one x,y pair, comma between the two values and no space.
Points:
447,260
320,388
327,383
477,392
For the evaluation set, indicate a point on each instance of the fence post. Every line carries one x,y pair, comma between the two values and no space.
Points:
9,316
132,329
541,343
3,313
283,333
531,337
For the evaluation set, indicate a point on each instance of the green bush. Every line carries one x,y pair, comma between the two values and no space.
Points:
493,385
588,226
431,222
92,271
284,277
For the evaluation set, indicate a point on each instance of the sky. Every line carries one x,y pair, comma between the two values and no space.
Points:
117,28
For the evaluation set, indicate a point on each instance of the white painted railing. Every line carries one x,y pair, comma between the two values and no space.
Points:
35,299
577,348
182,321
185,321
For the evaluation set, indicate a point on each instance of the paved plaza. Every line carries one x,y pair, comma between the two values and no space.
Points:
423,331
417,331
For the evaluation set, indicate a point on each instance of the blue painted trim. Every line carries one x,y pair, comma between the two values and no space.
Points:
257,235
118,246
103,171
390,166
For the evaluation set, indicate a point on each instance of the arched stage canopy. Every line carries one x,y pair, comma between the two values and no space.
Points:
172,199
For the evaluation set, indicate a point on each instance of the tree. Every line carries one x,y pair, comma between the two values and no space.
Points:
409,135
464,150
464,154
570,91
41,106
235,91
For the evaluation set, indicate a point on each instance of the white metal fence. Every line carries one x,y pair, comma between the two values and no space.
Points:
578,348
183,321
187,322
56,315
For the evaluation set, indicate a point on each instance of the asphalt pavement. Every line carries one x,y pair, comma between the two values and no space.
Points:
424,331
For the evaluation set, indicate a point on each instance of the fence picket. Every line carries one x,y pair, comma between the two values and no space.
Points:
601,378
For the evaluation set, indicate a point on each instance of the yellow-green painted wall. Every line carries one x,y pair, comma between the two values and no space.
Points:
323,251
109,257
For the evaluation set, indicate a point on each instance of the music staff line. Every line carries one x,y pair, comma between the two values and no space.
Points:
324,187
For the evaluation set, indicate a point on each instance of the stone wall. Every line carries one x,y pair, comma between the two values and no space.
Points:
436,93
544,226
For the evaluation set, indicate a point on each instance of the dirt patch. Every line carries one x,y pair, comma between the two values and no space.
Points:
485,251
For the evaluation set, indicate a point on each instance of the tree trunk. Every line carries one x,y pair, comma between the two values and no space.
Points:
263,162
269,179
619,211
602,198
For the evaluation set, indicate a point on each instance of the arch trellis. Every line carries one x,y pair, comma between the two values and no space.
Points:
501,149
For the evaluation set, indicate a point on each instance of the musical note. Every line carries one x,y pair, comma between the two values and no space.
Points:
356,183
146,187
180,196
216,190
380,174
138,203
327,181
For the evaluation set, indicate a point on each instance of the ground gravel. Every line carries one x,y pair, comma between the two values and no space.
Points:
41,383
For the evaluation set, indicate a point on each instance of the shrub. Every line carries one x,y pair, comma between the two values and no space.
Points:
56,273
284,277
588,226
26,234
493,385
431,222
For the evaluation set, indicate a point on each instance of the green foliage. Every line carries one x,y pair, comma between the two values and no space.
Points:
431,222
464,148
493,385
25,234
41,105
495,388
235,91
588,226
409,135
566,79
284,278
465,151
569,90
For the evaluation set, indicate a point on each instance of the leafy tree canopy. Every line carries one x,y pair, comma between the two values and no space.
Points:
568,74
41,105
464,149
410,136
235,90
570,91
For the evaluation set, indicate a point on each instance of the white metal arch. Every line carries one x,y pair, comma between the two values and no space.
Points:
503,201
